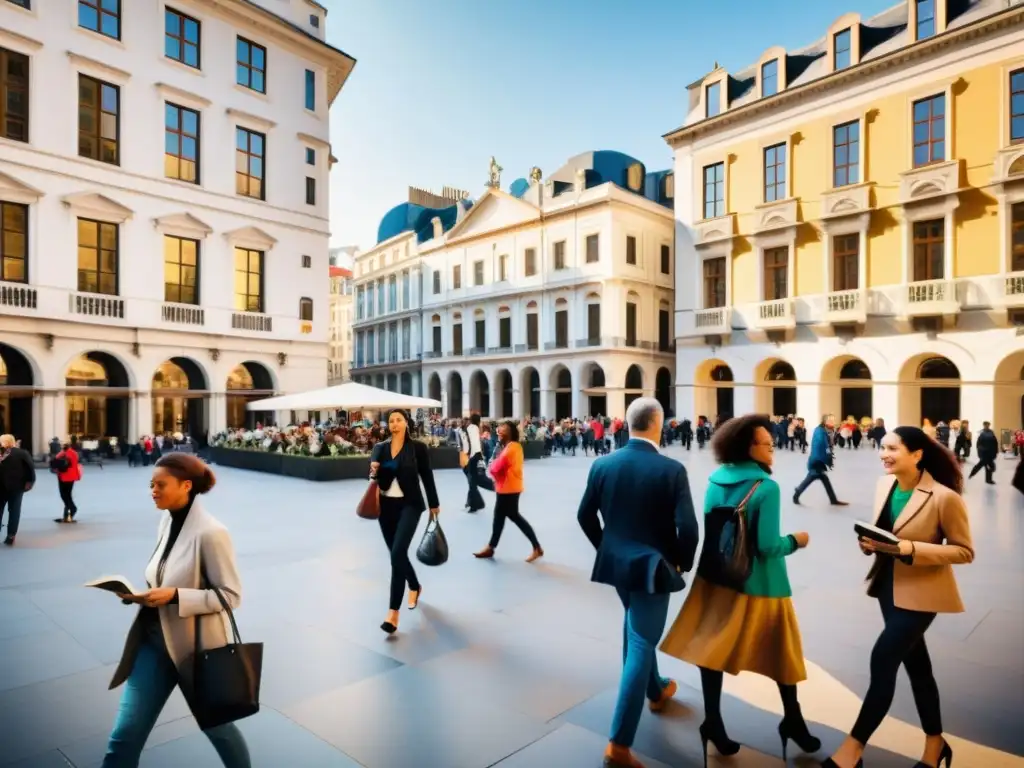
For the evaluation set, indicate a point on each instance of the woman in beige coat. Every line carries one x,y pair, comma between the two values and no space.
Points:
191,545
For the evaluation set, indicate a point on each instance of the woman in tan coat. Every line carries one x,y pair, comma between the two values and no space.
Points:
161,640
919,501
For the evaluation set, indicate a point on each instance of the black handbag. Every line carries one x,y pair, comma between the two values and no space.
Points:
433,549
225,683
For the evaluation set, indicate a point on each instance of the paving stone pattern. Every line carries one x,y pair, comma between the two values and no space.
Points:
504,663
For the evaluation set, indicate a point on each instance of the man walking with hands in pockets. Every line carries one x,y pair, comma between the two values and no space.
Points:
647,541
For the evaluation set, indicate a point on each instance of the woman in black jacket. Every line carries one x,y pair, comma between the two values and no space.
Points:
398,464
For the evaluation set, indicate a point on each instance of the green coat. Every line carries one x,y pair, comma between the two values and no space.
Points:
728,485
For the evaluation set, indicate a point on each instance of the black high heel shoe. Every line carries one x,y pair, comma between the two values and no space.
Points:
945,756
796,730
716,735
830,763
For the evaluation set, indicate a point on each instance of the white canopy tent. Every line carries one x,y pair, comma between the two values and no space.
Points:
348,396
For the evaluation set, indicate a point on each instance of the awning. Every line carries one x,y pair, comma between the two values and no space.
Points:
347,396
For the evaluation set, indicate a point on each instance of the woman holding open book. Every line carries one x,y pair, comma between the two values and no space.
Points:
193,547
921,530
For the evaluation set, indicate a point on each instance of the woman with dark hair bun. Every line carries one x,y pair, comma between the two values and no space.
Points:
919,501
193,555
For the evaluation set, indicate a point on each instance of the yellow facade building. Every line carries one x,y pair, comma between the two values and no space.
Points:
852,239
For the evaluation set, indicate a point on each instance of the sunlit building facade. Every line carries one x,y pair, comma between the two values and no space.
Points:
340,342
850,234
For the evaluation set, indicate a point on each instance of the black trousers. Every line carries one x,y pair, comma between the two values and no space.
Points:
65,489
476,480
398,523
988,465
12,501
901,642
506,505
813,475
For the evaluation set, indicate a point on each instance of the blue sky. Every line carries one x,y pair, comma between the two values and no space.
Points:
441,85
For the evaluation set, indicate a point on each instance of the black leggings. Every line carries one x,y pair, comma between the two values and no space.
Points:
65,488
711,687
398,523
901,642
506,505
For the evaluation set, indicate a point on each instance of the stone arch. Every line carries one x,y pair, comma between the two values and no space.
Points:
633,384
529,385
434,387
560,383
594,383
479,393
775,388
18,381
249,380
455,398
97,386
180,397
663,390
929,389
503,401
846,389
1008,381
714,393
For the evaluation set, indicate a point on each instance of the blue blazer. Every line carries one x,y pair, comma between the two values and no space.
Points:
650,528
821,450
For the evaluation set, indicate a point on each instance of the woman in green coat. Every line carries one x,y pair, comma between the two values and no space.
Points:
720,629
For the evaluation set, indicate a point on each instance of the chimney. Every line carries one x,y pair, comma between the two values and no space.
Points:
581,181
438,226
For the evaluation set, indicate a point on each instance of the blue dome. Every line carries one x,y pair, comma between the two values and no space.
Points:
409,217
608,166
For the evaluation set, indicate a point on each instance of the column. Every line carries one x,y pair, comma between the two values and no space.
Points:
885,402
218,417
578,400
59,416
743,402
517,403
616,404
808,403
44,425
547,401
978,405
686,402
141,411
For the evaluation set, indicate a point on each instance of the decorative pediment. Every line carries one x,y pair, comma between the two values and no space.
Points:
772,217
716,230
14,190
93,205
847,207
929,181
180,95
1009,166
248,117
495,211
250,237
18,42
182,225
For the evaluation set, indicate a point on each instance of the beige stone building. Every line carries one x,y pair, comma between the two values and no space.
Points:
340,339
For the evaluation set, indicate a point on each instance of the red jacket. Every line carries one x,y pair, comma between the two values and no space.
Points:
598,428
74,471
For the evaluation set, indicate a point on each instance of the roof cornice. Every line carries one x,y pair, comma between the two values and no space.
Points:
855,74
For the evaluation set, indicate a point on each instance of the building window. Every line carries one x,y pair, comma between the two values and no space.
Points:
250,150
457,339
311,90
714,282
713,100
929,250
714,190
1017,238
103,16
846,263
307,262
503,267
666,259
478,273
248,280
14,90
480,331
593,254
846,154
560,254
631,250
306,309
310,156
181,38
770,78
251,65
505,332
14,242
925,19
530,262
594,324
26,4
314,21
456,277
437,283
930,130
630,324
776,273
532,331
393,294
181,270
181,143
97,257
775,173
1016,105
842,53
435,337
99,121
664,342
561,328
310,190
406,290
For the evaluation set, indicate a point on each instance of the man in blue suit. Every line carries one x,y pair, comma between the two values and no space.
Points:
819,462
648,540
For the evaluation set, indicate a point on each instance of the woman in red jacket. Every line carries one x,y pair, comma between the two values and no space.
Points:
69,472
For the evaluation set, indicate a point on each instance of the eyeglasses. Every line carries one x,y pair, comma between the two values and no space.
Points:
769,446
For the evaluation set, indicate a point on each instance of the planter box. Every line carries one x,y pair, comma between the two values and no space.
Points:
533,449
444,457
318,470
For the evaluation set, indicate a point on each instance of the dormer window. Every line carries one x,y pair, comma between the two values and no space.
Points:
314,21
770,78
925,19
713,99
843,50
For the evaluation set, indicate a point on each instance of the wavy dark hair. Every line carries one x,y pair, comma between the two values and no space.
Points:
513,430
936,459
733,439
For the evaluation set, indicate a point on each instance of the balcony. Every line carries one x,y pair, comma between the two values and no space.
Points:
931,298
585,343
561,344
846,307
1012,293
432,354
712,322
473,351
182,314
252,321
775,315
14,296
95,305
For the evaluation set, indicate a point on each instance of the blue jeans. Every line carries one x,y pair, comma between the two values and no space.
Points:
151,682
641,631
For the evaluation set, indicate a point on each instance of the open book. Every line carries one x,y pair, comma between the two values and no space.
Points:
115,584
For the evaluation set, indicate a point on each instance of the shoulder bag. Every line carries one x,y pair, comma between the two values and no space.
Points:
433,548
368,507
225,682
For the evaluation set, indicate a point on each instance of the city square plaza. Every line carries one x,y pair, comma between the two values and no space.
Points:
503,663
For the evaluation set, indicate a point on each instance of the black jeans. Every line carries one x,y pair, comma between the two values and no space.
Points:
988,465
65,488
901,642
476,480
813,475
11,500
506,505
398,523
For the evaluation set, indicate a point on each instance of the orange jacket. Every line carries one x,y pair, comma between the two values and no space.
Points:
507,469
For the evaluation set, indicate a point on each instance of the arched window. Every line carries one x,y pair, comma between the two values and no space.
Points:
721,373
306,309
938,368
855,369
781,371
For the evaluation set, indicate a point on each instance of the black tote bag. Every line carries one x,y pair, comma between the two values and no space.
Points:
225,683
433,548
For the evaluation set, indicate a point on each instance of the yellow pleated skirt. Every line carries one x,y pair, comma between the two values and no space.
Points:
719,628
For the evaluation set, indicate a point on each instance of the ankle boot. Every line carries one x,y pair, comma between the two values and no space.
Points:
793,727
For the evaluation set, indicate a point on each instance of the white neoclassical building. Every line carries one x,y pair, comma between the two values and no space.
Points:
164,192
555,298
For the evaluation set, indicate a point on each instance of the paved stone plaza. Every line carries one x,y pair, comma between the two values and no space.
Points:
504,663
